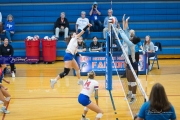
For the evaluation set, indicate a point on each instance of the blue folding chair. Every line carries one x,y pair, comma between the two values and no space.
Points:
155,58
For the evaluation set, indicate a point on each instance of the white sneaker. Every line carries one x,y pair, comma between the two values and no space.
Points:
80,82
13,74
53,82
1,102
4,110
128,96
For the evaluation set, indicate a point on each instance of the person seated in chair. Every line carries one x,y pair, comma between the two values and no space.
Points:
81,45
61,26
6,50
148,46
105,30
95,46
95,18
9,27
81,23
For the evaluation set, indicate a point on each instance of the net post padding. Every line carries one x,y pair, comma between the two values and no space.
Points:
108,63
132,69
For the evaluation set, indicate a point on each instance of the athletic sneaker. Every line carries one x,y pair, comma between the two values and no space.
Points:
4,110
133,99
128,96
13,74
80,82
52,82
83,118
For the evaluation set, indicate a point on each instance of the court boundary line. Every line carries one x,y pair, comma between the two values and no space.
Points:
77,97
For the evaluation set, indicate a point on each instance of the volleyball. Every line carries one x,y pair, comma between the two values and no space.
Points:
36,37
112,20
46,38
53,37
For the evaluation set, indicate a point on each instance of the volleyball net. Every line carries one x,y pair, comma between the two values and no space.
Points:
141,96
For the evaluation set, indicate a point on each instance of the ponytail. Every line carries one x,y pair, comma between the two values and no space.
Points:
68,39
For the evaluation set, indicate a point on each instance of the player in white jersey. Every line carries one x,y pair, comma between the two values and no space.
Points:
89,87
69,61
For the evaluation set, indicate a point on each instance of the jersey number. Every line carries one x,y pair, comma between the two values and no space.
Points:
87,84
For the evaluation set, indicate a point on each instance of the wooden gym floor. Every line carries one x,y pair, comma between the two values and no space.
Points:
33,99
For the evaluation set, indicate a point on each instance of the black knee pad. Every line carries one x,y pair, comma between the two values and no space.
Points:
66,72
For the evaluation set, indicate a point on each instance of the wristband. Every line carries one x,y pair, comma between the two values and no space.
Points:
85,28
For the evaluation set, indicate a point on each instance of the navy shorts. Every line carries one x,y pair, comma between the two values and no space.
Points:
68,57
84,99
134,65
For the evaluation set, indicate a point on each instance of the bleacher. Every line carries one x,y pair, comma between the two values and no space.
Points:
160,20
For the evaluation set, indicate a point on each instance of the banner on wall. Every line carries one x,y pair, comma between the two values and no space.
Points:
95,63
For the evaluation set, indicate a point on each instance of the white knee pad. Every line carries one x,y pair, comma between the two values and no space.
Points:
129,83
7,98
133,84
99,115
86,109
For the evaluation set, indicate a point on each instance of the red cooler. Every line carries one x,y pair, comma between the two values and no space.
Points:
32,50
49,50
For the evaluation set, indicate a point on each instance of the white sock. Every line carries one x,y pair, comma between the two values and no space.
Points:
55,79
133,95
7,99
130,92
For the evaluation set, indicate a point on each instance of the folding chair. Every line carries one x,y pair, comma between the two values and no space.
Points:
155,58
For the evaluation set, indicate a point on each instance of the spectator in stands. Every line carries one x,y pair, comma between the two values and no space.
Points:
81,45
158,107
1,27
6,50
106,23
9,27
94,18
62,26
95,46
81,23
148,46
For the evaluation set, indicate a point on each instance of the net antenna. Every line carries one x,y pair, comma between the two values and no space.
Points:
111,5
132,69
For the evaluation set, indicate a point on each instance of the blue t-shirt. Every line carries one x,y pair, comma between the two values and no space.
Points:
137,47
146,114
9,26
95,15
